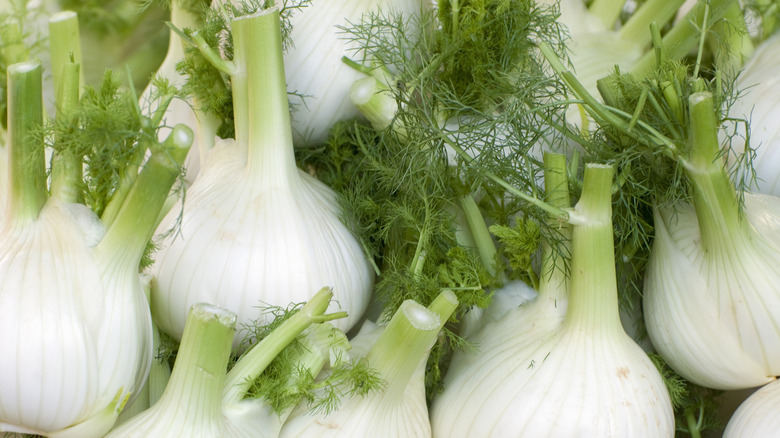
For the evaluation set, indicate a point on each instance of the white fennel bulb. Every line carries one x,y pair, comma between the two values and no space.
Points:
711,293
314,66
73,313
254,229
758,416
204,400
398,353
535,375
759,103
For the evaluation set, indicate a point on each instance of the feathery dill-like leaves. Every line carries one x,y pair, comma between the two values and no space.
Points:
104,131
109,133
520,243
287,381
491,41
460,129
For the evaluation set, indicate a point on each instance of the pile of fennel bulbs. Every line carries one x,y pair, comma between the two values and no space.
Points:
255,230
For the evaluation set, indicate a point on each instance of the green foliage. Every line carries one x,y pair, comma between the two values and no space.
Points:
287,381
210,87
460,126
104,131
520,243
484,41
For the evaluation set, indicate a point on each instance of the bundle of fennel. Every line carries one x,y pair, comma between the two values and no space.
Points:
511,218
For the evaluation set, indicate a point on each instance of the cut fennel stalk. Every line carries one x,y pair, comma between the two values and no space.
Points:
254,228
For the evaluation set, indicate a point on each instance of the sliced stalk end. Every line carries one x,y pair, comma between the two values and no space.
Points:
406,340
65,45
374,100
192,395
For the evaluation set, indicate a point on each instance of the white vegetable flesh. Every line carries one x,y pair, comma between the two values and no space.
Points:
66,326
724,301
758,416
72,308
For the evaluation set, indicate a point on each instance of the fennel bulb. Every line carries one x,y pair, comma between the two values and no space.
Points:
757,416
759,104
535,375
398,352
254,228
72,307
313,63
711,294
203,399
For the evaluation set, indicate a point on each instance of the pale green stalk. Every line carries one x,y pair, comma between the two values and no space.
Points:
204,352
64,45
479,232
553,273
128,235
714,196
637,27
593,300
239,379
407,339
27,167
732,45
608,11
685,35
261,105
66,169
